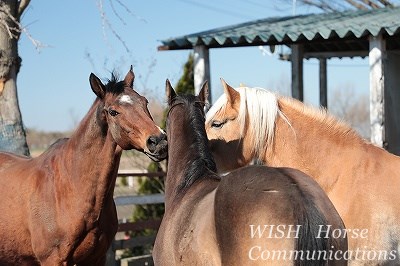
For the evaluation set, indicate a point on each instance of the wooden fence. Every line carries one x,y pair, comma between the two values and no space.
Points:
122,244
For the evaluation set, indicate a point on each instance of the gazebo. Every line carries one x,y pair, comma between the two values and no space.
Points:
373,33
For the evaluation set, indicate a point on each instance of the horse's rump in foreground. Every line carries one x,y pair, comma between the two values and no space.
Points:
58,208
253,216
362,180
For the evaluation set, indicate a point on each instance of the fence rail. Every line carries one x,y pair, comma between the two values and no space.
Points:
138,241
139,225
139,200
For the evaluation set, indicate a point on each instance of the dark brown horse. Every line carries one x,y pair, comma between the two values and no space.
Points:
255,215
58,208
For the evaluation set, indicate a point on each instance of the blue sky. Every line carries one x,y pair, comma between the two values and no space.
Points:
53,86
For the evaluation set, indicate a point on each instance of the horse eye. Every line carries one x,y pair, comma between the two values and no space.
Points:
113,112
217,124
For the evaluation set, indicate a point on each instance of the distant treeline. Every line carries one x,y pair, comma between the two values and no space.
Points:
40,140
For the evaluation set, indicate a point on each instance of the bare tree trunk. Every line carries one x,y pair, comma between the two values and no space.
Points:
12,133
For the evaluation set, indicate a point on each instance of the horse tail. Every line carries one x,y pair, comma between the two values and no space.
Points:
314,245
308,242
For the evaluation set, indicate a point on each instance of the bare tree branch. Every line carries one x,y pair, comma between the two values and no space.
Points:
21,7
357,5
14,28
371,4
8,29
351,107
116,13
386,3
106,24
129,11
144,79
10,24
319,4
38,44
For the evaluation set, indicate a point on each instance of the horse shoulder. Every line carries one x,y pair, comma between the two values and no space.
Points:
202,229
194,241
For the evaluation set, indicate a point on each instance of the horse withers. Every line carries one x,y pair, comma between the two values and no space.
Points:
255,215
361,180
58,208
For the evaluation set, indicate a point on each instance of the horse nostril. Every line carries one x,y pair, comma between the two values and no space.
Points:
158,144
151,143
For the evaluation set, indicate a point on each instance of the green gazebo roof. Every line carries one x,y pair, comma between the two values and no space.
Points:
326,32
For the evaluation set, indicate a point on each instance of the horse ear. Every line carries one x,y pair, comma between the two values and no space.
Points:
204,93
169,91
97,86
130,77
231,94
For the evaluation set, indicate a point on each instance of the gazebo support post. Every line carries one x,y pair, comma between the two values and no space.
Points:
323,83
201,68
376,86
297,71
392,102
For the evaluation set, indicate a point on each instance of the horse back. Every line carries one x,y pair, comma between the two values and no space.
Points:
261,210
7,159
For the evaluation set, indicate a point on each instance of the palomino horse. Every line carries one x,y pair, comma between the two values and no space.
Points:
362,180
58,208
253,216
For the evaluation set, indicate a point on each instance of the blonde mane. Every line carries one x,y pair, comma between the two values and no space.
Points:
262,107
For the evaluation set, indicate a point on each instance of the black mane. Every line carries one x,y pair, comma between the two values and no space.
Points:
201,163
114,85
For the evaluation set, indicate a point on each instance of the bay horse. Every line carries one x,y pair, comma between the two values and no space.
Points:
362,180
244,218
58,208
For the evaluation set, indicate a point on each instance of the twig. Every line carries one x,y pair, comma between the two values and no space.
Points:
357,5
14,32
130,12
107,24
116,13
38,44
386,3
371,4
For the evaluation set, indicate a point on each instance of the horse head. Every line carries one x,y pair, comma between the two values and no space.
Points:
125,115
224,130
241,123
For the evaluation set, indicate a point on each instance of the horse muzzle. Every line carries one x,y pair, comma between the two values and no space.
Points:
157,147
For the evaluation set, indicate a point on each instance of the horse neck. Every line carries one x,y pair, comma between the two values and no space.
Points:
313,143
93,155
184,147
178,144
